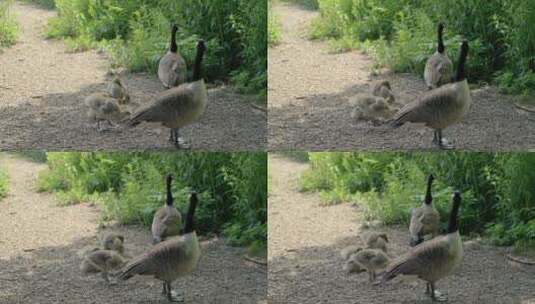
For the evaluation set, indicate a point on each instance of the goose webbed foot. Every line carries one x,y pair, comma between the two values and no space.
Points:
436,296
172,295
105,277
441,142
100,129
178,141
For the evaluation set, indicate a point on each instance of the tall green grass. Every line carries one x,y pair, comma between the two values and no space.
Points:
498,192
274,27
4,183
401,34
49,4
136,33
8,25
130,187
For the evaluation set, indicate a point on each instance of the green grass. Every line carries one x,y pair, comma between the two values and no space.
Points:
497,188
401,35
136,34
8,26
129,187
4,183
49,4
274,28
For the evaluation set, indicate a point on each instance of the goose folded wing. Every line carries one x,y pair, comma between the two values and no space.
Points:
168,105
420,260
428,106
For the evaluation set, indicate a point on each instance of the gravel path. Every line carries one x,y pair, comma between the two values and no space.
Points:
42,92
41,244
309,90
305,264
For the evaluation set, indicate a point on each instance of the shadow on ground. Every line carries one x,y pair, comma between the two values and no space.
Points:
315,275
51,275
59,122
323,122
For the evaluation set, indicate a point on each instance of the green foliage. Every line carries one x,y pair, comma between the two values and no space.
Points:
8,25
130,187
402,35
4,183
498,193
274,28
309,4
136,33
49,4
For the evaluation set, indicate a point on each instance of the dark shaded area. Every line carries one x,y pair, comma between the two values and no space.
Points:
51,275
315,275
323,122
59,122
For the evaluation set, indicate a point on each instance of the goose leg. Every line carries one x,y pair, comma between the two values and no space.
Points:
164,289
435,295
105,277
178,141
172,136
442,142
172,296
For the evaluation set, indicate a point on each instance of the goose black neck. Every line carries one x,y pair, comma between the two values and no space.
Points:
453,225
440,41
191,211
198,63
462,61
169,200
174,47
428,196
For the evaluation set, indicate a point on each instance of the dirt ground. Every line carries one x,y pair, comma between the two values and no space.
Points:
309,89
305,265
41,244
42,92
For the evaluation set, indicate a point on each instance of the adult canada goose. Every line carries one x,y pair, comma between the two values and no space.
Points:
375,240
117,90
169,259
372,260
180,106
172,67
438,68
425,220
102,107
103,262
441,107
167,220
113,241
434,259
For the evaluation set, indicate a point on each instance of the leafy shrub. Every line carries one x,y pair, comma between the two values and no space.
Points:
8,26
498,193
130,187
402,35
136,33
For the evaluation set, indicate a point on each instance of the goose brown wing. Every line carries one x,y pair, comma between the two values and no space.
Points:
420,260
428,107
166,106
159,259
